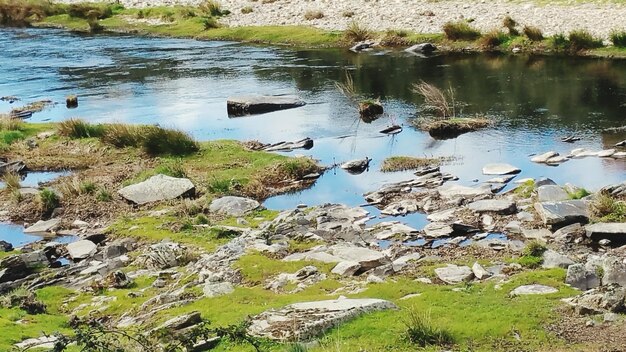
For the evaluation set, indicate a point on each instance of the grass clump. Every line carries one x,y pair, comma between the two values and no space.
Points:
173,168
246,10
122,135
212,8
460,30
437,100
533,33
11,124
525,190
47,200
606,208
160,141
77,128
313,15
583,40
492,39
357,32
579,193
509,23
222,186
11,181
421,331
618,38
532,255
402,163
104,196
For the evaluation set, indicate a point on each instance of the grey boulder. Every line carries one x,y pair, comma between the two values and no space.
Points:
562,213
453,274
81,249
533,290
157,188
233,206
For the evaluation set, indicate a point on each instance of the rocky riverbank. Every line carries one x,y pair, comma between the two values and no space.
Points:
599,18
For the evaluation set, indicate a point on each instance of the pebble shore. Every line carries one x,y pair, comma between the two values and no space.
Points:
600,18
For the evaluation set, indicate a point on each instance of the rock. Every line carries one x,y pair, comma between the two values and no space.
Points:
562,213
438,229
479,272
452,191
568,233
180,322
364,45
552,259
13,268
81,249
346,268
212,289
79,224
502,179
14,167
557,160
233,206
606,153
615,231
422,48
453,274
367,258
386,230
247,105
44,342
5,246
35,259
401,207
162,255
403,261
306,143
504,207
537,234
543,158
113,251
513,227
42,226
157,188
525,216
533,290
579,277
307,320
614,271
544,181
118,279
603,299
550,193
500,169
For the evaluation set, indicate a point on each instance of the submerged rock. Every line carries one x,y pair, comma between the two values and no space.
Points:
246,105
422,48
307,320
356,166
157,188
233,206
500,169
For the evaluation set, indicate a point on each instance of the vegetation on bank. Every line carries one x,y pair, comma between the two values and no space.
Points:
203,22
403,163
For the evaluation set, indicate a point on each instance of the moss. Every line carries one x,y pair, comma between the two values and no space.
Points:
525,190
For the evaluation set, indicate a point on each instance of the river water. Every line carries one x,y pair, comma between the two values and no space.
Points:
185,84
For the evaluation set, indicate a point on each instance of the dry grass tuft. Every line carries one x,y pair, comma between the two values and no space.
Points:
442,102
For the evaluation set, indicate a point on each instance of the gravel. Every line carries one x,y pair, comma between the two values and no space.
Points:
600,18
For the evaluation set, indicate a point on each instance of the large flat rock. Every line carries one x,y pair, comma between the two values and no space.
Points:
453,274
454,191
562,213
613,231
81,249
42,226
307,320
157,188
500,169
233,206
533,290
551,193
501,206
259,104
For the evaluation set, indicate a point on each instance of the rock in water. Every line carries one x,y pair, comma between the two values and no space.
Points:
233,206
423,48
356,166
247,105
157,188
305,321
43,226
500,169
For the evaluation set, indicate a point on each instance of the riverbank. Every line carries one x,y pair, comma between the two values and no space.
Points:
504,34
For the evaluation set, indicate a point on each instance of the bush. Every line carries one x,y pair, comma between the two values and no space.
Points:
420,331
313,15
77,128
9,137
510,24
460,30
533,33
160,141
356,33
559,42
583,40
47,201
618,38
534,249
492,39
90,11
221,186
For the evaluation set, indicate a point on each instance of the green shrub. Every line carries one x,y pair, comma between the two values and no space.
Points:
583,40
559,42
618,38
87,11
356,33
122,135
460,30
420,331
8,137
221,186
533,33
104,196
77,128
47,201
201,219
296,347
212,8
87,187
534,249
530,262
161,141
606,208
492,39
579,194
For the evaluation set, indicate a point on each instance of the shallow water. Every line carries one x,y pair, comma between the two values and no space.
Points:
15,235
185,84
35,178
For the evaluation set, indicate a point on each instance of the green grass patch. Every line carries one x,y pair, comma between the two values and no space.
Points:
256,267
525,190
579,193
460,30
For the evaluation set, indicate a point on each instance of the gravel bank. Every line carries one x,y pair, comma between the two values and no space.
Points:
420,16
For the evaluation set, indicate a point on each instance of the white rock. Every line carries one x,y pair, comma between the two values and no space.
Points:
533,290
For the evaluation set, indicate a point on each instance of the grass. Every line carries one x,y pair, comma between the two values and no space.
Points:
357,32
12,181
11,124
460,30
579,193
256,268
509,23
606,208
212,8
420,331
525,190
77,128
47,201
402,163
618,38
532,255
492,39
533,33
437,100
583,40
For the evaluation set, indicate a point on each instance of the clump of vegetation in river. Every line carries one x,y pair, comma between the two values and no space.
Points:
460,30
533,33
492,39
510,24
441,102
403,163
618,38
357,32
369,109
421,331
